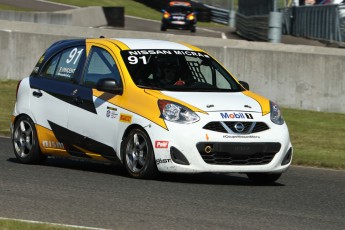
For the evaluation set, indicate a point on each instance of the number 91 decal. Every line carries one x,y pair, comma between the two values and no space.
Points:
133,60
74,55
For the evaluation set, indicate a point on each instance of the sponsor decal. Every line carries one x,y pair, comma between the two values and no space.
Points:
126,118
167,52
111,112
163,161
111,108
236,116
241,137
207,137
161,144
65,71
52,144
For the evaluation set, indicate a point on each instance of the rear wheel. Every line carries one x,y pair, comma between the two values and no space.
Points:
264,178
25,142
138,156
163,28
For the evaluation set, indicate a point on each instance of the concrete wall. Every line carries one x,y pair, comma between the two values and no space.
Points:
302,77
38,17
86,16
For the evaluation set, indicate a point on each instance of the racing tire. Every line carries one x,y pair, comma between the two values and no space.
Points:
193,30
138,155
263,178
163,28
25,142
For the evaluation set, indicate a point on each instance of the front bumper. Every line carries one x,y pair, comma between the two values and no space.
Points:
192,149
170,24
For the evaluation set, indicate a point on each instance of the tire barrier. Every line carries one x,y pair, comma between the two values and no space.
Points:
115,16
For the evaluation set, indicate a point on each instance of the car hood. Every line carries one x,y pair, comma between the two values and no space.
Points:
211,101
178,14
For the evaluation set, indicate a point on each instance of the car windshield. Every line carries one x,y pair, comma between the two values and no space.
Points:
178,70
180,9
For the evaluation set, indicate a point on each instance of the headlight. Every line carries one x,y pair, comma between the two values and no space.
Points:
166,15
190,17
175,112
276,114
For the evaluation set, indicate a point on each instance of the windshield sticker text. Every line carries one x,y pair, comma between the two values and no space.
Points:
167,52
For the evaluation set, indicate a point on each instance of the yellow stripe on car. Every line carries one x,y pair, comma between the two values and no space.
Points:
264,103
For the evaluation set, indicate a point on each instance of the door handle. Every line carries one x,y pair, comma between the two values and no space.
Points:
37,93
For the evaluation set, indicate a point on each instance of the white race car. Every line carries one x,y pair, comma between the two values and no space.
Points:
151,105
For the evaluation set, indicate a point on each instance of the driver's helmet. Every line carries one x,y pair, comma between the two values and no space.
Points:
169,72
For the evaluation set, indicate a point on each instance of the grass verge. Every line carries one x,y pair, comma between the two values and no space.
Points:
14,8
7,100
317,137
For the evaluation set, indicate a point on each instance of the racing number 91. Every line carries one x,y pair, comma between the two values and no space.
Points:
74,55
133,60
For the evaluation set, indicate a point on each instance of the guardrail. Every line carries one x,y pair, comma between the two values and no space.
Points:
254,28
219,15
322,22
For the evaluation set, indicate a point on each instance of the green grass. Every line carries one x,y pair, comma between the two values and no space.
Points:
14,8
7,100
317,137
131,7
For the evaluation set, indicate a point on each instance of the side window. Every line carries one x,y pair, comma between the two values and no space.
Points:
64,65
222,83
49,69
100,65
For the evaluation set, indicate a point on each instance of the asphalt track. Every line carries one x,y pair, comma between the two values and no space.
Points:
103,196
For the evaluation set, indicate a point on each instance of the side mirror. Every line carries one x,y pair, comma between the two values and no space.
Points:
244,85
163,10
109,85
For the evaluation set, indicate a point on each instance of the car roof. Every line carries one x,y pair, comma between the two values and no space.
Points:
134,44
123,44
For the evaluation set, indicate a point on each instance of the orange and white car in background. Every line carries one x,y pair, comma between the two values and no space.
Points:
179,15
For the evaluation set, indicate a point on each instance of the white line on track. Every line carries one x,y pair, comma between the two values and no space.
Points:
62,225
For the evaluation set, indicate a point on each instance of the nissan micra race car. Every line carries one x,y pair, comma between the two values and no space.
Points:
151,105
179,15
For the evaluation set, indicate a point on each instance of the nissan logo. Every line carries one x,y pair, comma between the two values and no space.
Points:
239,127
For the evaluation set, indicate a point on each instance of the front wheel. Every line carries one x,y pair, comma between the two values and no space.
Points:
25,142
264,178
138,155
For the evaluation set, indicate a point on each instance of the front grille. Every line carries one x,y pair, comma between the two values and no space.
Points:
220,153
229,127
